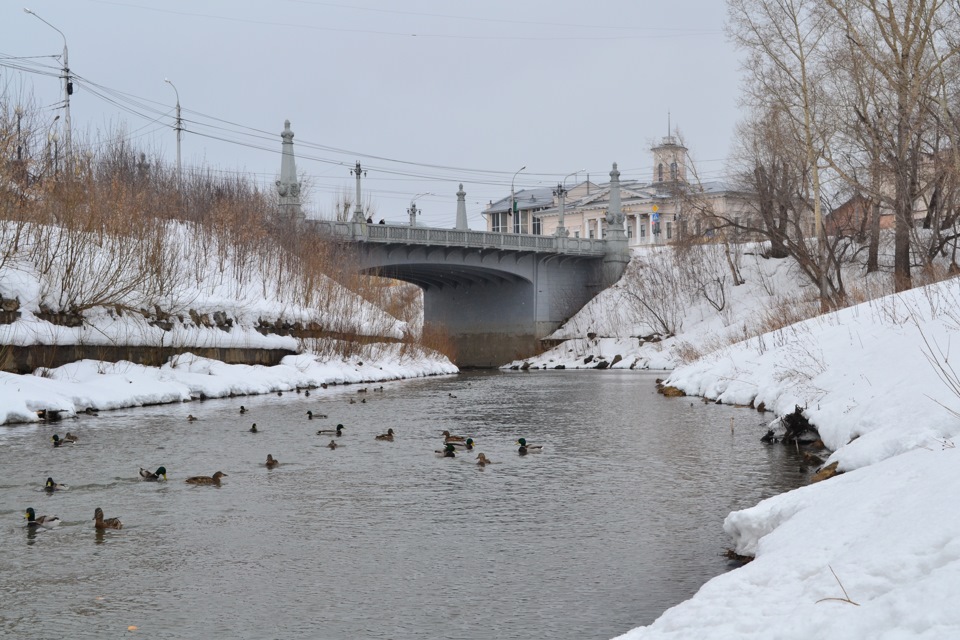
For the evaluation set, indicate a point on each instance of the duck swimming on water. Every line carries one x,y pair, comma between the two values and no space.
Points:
33,520
109,523
159,475
210,480
388,436
331,432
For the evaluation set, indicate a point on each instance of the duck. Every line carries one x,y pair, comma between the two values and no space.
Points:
483,460
158,475
214,479
449,438
33,520
243,409
447,452
311,415
58,441
386,436
307,393
253,429
352,401
450,395
333,444
468,445
69,437
191,417
109,523
327,432
271,463
528,448
52,486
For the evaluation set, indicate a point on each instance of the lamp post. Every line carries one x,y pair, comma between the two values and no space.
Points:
513,202
413,208
178,127
561,192
67,90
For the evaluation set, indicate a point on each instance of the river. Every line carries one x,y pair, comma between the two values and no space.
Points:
617,520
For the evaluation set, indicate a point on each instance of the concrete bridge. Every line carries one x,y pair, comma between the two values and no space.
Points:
495,294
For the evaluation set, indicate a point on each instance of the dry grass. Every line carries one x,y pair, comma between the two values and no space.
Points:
119,233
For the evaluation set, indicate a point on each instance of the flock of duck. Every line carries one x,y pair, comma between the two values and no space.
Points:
452,444
100,522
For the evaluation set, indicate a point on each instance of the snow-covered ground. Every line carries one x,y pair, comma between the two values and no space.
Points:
90,384
871,553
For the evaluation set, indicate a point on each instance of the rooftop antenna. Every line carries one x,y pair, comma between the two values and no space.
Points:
669,131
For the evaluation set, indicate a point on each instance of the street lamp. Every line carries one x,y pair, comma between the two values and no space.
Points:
178,128
561,192
513,202
413,208
67,90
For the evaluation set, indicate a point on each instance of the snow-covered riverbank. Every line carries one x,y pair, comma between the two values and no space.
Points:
76,387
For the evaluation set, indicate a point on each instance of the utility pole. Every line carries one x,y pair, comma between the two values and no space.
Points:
179,129
357,170
67,91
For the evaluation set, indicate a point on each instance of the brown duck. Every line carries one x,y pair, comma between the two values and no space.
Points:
214,479
109,523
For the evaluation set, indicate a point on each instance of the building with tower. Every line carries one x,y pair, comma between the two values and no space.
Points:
667,207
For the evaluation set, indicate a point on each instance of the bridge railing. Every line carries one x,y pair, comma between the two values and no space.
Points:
403,234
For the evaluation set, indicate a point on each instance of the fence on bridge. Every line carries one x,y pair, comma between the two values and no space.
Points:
403,234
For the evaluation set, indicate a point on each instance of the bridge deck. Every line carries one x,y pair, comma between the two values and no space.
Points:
403,234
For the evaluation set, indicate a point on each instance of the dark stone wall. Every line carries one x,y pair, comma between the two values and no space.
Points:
16,359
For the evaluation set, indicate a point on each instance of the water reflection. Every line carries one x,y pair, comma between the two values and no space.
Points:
617,520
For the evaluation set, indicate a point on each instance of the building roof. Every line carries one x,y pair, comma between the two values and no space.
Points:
536,198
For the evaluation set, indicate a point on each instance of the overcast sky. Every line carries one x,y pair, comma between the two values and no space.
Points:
424,93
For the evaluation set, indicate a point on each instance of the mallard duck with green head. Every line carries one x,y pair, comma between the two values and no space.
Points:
99,522
528,448
33,520
156,476
331,432
208,480
448,451
58,441
463,446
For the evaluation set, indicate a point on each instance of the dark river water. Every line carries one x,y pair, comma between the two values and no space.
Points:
617,520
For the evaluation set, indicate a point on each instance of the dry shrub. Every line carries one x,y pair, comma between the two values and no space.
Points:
436,338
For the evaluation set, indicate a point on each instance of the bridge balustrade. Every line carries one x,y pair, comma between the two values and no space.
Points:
387,233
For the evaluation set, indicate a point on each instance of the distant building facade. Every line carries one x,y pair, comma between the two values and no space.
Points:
660,211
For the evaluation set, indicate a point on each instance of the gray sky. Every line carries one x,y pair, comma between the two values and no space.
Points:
425,93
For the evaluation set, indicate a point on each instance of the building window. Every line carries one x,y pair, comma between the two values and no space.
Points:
669,230
660,172
629,231
592,234
673,170
643,231
499,222
576,234
537,228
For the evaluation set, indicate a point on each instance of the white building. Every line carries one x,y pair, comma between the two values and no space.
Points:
660,211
